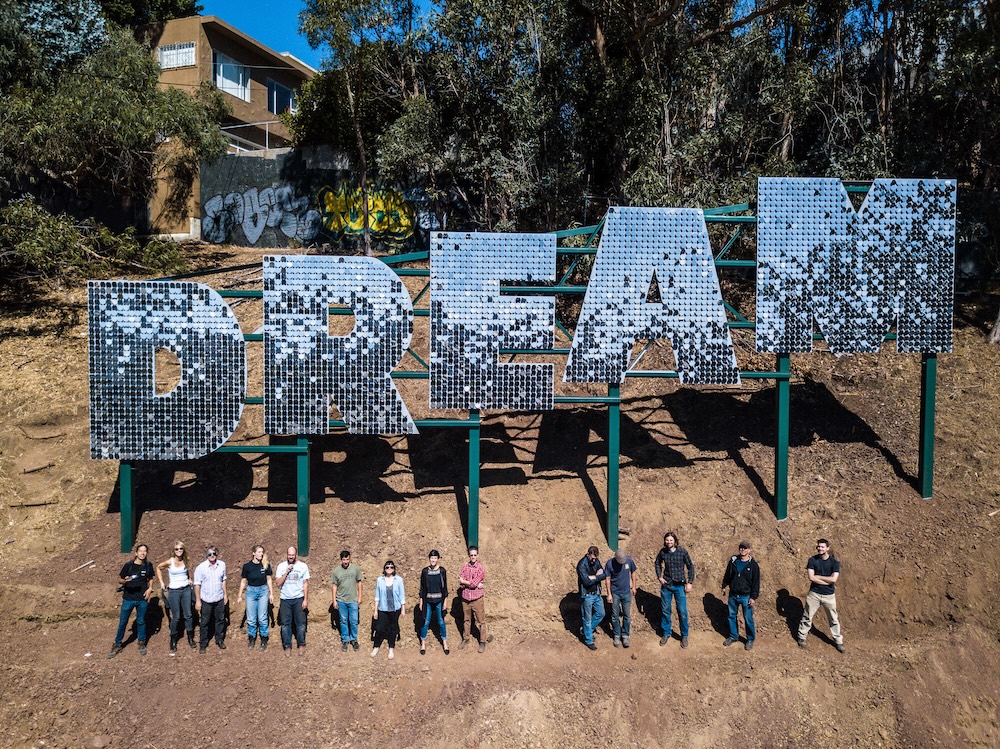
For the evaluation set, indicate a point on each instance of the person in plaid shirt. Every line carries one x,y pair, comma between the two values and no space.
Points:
471,581
675,571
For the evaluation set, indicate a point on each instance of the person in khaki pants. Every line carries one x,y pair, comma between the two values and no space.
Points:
823,570
471,581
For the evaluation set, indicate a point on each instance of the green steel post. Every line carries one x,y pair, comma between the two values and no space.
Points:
614,449
781,446
928,393
126,509
474,434
302,495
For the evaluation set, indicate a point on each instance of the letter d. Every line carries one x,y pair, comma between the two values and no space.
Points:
128,322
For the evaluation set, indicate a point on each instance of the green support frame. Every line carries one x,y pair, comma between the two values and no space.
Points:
475,433
614,462
928,394
783,387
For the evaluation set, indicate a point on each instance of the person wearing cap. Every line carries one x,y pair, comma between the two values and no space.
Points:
292,579
620,570
591,578
211,598
743,580
345,594
675,571
433,594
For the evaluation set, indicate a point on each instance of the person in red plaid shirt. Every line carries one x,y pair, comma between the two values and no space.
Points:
471,581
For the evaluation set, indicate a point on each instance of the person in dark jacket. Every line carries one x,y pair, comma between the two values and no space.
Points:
743,580
591,579
433,596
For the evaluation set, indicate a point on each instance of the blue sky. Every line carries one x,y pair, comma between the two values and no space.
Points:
273,23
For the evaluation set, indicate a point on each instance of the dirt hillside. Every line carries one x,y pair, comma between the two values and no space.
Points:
917,595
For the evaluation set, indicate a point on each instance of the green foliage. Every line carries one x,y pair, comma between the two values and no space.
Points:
63,31
86,137
138,12
535,113
35,244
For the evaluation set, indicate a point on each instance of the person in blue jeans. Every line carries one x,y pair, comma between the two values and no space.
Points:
136,580
433,595
742,577
620,570
591,578
675,571
256,581
345,594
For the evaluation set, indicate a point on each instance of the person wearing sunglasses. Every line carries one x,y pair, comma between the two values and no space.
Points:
177,595
211,598
389,605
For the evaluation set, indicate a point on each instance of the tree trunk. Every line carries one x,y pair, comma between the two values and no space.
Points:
366,237
994,336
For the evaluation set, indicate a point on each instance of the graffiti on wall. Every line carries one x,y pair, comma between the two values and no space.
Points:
255,209
390,216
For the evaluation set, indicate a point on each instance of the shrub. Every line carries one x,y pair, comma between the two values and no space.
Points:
36,244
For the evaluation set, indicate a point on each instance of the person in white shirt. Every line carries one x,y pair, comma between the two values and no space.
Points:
292,579
211,598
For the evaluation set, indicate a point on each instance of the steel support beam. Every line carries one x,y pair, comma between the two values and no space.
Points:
126,505
783,385
472,532
302,495
614,451
928,394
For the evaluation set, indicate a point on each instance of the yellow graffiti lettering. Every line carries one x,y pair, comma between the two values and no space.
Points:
389,215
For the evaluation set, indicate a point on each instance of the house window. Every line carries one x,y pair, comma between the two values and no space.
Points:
231,76
176,55
280,99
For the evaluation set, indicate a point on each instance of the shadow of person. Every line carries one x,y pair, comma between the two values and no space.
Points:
789,608
648,605
569,610
717,612
154,616
417,614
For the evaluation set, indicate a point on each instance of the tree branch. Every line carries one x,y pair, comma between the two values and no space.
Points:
733,25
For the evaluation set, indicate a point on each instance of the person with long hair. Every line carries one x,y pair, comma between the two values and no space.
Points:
136,586
256,581
177,594
389,604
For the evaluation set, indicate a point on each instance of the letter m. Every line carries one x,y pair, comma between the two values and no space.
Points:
855,274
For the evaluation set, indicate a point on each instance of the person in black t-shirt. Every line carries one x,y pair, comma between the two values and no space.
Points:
255,579
136,580
824,571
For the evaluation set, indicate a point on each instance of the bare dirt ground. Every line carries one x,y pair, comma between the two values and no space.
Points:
918,590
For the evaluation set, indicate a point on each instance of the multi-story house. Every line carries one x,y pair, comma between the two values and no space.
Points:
258,83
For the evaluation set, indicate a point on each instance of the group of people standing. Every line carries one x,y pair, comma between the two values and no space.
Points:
389,602
675,573
205,590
